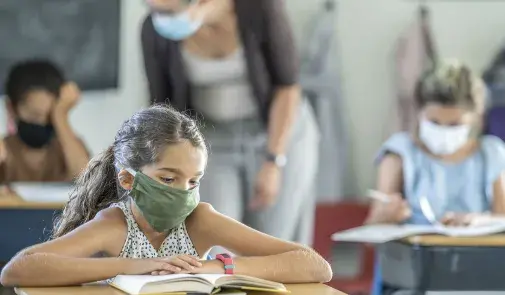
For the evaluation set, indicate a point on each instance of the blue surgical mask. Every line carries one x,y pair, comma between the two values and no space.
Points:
175,27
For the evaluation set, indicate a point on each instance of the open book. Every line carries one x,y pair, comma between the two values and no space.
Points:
186,283
382,233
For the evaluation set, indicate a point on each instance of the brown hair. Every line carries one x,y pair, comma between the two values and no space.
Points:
139,142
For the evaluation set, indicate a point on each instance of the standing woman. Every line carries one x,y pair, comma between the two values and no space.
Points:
234,63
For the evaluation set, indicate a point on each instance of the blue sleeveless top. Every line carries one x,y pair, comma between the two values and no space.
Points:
462,187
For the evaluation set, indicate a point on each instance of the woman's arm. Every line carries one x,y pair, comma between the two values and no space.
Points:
390,182
282,116
283,65
153,66
66,260
263,256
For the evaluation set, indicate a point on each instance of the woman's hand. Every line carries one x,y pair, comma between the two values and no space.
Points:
466,219
174,264
397,210
267,186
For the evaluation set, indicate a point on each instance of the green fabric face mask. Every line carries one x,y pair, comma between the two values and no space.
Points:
162,206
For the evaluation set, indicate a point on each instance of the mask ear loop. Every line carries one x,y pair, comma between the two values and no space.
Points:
131,171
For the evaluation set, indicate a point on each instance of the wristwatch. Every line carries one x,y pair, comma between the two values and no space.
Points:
227,260
279,160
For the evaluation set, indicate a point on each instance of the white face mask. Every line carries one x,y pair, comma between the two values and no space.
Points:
443,140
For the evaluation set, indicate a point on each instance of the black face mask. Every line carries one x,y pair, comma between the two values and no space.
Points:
35,135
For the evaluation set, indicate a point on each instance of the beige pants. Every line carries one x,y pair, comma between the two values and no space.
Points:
237,152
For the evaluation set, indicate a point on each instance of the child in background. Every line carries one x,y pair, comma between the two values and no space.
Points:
447,162
44,147
138,205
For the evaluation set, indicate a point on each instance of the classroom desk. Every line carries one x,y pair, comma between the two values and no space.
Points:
437,240
301,289
23,224
440,263
10,201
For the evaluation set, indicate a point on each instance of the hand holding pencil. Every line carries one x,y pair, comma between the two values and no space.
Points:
389,208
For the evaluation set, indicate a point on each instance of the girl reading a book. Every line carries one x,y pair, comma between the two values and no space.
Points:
136,210
447,165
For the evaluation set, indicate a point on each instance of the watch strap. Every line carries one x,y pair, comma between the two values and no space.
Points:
227,260
278,160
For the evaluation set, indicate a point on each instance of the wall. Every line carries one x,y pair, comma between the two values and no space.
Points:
99,114
367,32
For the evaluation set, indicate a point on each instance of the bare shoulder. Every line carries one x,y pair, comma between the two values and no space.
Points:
112,215
203,219
205,209
203,214
112,219
111,223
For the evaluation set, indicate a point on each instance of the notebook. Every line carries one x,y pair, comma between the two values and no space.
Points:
382,233
186,283
49,192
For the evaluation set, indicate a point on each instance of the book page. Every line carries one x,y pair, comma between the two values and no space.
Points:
42,192
382,233
145,279
138,284
211,278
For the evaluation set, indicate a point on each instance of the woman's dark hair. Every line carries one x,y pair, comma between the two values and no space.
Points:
450,83
139,142
34,74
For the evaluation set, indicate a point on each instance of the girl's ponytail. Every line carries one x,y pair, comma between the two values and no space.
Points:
95,189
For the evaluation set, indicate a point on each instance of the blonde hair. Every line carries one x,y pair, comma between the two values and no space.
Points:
451,83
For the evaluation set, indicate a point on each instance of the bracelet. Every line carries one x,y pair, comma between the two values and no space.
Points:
227,260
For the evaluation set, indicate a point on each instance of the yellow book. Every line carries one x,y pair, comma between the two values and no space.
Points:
186,283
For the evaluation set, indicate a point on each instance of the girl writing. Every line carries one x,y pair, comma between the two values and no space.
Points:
447,165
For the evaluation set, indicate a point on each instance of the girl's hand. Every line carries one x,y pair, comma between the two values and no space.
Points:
69,97
466,219
395,211
162,265
210,267
177,264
